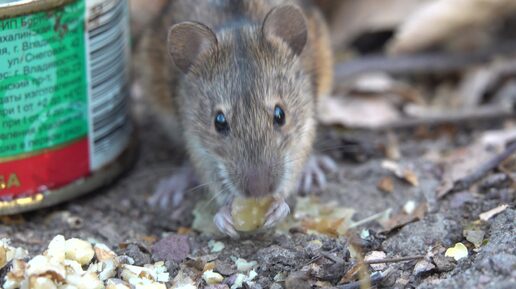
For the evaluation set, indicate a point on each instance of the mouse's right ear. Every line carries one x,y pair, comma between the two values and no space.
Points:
187,40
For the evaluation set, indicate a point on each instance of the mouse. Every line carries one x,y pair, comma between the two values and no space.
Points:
236,84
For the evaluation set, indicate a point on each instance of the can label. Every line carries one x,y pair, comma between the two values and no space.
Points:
63,94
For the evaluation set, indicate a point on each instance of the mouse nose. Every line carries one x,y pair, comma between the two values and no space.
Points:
259,182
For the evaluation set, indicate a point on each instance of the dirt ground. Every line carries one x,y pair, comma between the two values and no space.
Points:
119,216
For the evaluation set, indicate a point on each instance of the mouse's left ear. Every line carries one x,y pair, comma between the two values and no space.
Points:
187,41
288,23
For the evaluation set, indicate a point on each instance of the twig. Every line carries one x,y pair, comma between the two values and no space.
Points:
335,259
320,255
370,218
479,173
375,278
483,114
419,63
394,260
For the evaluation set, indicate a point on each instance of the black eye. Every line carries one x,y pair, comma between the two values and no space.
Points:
279,116
221,124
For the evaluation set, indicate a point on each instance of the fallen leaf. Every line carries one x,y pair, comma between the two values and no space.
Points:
351,274
329,218
386,185
411,178
401,172
361,112
459,163
448,19
376,255
184,230
457,252
493,212
353,18
403,218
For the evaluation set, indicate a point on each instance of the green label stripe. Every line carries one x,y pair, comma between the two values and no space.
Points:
43,89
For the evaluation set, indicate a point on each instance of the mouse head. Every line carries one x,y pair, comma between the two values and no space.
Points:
247,102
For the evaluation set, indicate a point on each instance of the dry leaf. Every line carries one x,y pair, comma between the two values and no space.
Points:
400,172
440,20
326,219
352,18
386,185
351,274
485,216
403,218
376,255
362,112
459,163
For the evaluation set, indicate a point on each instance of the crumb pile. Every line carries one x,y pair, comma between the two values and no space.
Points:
77,264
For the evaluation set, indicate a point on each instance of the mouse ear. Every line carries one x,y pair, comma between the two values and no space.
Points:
288,23
187,40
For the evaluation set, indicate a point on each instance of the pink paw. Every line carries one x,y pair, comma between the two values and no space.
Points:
314,173
224,219
170,192
224,222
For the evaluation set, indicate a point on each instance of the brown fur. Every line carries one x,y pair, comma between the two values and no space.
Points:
245,76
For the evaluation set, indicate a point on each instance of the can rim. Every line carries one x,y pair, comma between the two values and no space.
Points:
23,7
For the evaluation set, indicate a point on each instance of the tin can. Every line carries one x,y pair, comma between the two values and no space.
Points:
64,119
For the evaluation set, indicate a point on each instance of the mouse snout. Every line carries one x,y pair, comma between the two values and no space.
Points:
259,182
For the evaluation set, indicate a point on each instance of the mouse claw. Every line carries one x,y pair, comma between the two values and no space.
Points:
277,212
224,222
170,192
314,173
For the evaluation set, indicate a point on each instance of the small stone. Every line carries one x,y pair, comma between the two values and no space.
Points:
242,265
502,263
474,236
172,248
444,264
297,280
423,266
224,268
460,198
134,251
215,246
276,286
483,279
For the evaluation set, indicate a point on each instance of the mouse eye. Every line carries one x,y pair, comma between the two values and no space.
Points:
221,124
279,116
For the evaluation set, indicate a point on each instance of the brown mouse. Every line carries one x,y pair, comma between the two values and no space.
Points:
238,83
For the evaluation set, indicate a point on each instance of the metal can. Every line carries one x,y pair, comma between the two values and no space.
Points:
64,119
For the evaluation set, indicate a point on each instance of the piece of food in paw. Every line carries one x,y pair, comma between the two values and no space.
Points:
249,213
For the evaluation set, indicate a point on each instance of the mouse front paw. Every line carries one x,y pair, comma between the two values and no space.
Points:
314,173
224,222
170,192
278,211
